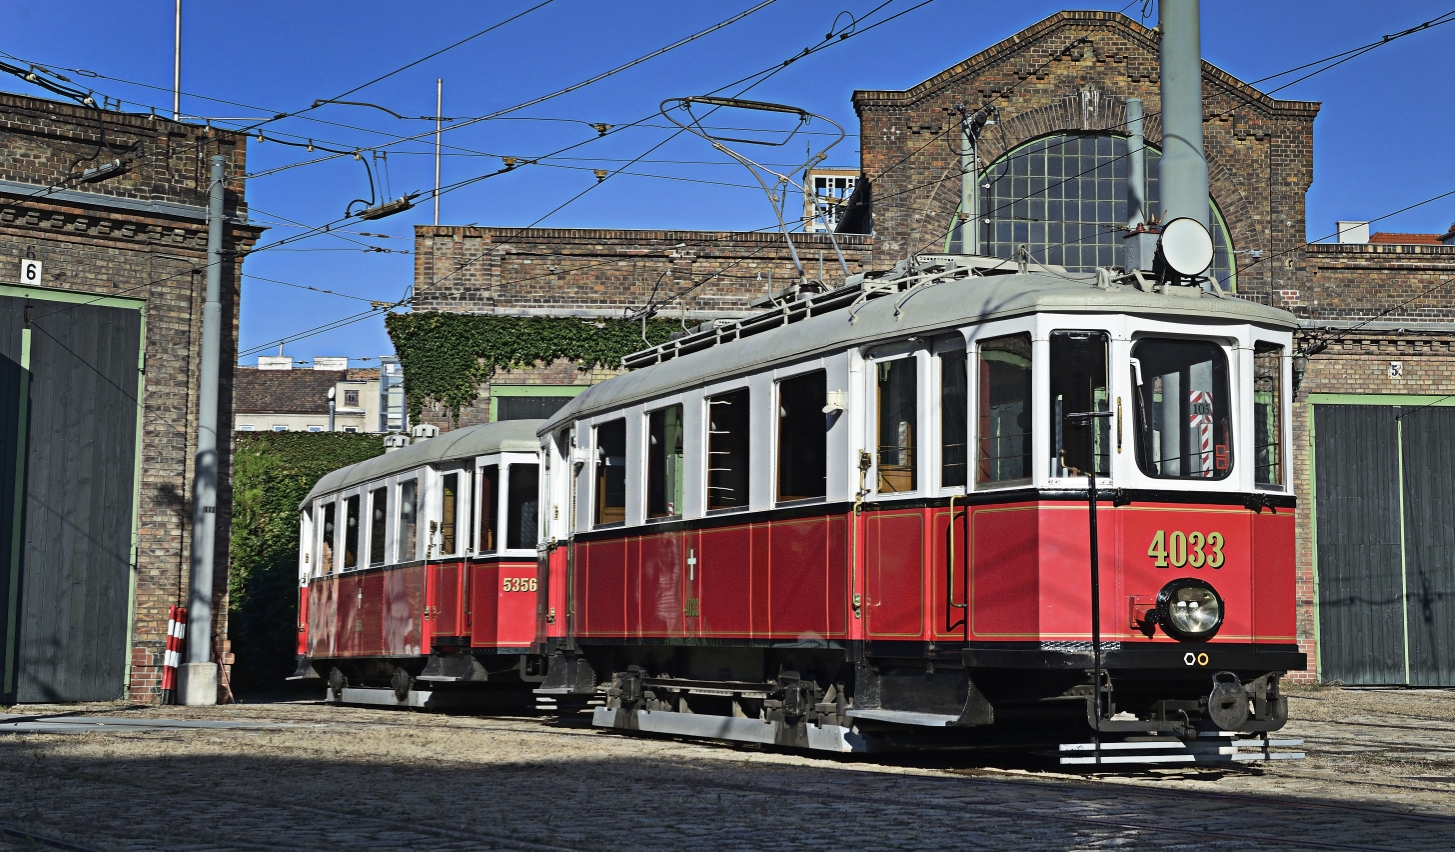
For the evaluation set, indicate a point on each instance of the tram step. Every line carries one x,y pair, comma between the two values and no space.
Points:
1212,749
903,717
710,727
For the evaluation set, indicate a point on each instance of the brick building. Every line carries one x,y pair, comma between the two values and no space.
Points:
1378,320
106,336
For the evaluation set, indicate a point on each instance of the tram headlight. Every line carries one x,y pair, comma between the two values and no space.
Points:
1189,609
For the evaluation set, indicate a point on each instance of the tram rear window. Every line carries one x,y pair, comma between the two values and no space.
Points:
489,506
351,532
664,462
449,512
1268,414
1183,428
802,437
1078,385
378,524
520,521
330,527
1005,410
728,450
953,426
408,522
611,472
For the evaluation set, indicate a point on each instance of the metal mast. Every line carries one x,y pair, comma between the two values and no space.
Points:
1184,167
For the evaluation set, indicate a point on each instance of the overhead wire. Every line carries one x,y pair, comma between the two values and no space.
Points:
761,76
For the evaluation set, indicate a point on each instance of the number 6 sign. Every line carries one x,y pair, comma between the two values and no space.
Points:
29,271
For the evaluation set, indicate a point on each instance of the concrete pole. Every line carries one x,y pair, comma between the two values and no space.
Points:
198,677
332,392
439,101
1136,166
177,67
1184,167
967,231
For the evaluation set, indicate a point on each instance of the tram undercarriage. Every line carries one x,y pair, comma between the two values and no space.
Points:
823,699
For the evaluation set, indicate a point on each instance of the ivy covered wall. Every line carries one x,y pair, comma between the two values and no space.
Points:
272,473
447,356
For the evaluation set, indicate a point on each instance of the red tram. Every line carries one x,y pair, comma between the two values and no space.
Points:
860,519
855,520
420,565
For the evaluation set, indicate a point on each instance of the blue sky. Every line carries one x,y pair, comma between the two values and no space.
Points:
1381,140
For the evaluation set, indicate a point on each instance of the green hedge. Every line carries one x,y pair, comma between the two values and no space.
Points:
446,356
272,473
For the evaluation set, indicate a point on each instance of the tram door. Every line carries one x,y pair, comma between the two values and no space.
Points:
1384,494
70,386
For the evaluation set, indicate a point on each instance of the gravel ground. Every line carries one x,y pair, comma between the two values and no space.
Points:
1380,775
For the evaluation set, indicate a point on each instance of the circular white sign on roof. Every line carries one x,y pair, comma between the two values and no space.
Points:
1187,246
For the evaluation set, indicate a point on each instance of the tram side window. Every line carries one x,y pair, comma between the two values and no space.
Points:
351,532
408,521
1183,428
611,472
1268,414
898,398
728,450
330,527
802,437
489,506
1004,410
1078,384
954,408
523,497
664,462
449,511
378,521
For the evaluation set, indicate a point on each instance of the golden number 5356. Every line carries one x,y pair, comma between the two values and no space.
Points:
518,584
1192,549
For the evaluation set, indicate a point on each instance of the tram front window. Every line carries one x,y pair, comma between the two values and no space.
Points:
897,402
1004,410
1078,385
1268,414
1183,427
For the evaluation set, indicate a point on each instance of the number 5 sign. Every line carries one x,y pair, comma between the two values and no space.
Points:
29,271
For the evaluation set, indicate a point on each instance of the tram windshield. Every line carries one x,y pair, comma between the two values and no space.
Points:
1183,428
1078,386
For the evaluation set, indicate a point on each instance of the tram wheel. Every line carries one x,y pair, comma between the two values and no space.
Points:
401,681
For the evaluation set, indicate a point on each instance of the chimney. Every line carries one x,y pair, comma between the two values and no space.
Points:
424,431
1353,233
1184,167
275,362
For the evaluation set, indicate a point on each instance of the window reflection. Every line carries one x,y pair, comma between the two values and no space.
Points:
1183,427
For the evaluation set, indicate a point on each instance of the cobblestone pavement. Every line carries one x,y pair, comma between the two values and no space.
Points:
1380,775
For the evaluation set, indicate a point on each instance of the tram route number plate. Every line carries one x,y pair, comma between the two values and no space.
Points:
1189,549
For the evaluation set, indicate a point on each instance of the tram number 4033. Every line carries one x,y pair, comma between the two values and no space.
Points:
1193,549
518,584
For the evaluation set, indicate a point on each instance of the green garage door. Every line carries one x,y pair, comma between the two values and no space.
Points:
70,379
1384,480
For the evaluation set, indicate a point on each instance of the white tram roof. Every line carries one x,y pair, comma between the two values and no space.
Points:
506,436
900,305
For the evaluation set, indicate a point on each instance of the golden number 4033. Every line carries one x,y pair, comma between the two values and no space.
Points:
518,584
1179,549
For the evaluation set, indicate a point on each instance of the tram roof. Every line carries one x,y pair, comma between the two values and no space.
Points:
777,336
503,436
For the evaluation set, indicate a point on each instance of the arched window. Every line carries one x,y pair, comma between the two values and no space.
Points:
1064,197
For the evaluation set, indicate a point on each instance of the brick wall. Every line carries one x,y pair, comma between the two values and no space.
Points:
1260,153
142,235
605,273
